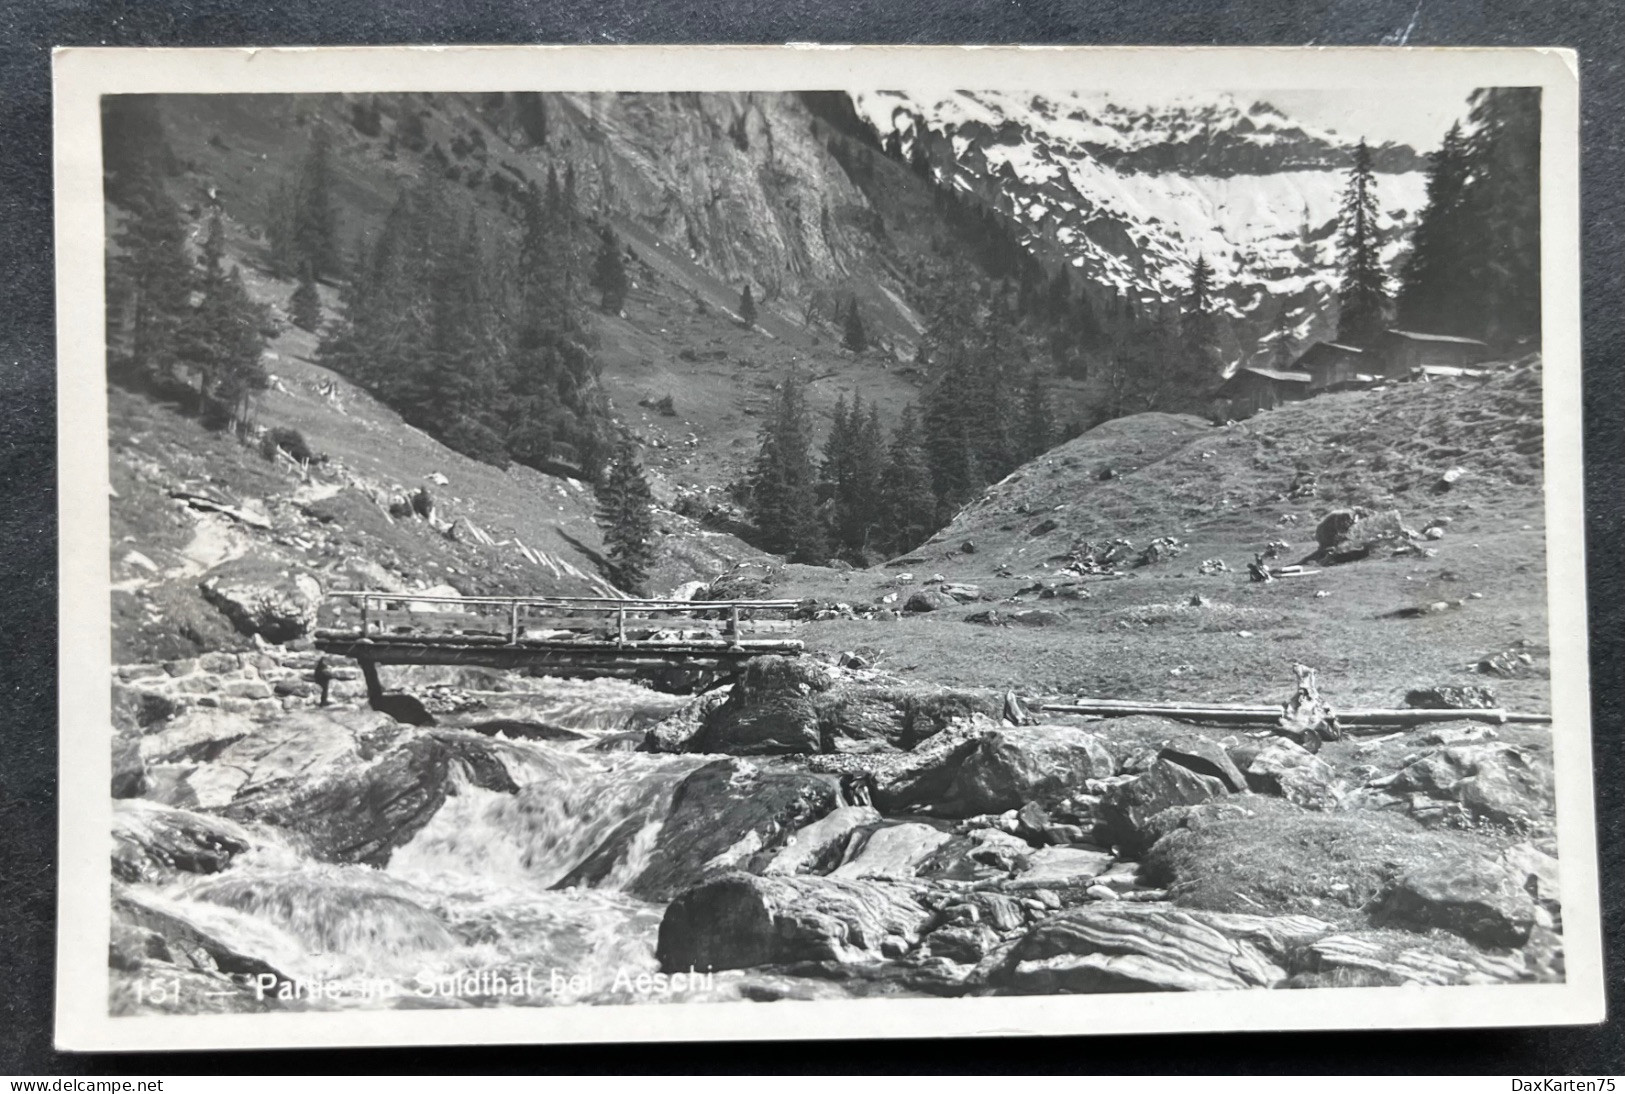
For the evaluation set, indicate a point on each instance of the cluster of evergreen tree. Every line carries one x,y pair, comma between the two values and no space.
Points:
783,485
860,498
178,324
1474,266
485,349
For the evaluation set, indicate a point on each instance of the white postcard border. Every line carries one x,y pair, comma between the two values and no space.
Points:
82,75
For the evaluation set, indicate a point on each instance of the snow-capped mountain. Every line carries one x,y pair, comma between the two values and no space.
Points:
1130,195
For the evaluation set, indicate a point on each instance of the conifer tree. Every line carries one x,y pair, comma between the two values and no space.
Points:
1503,211
783,485
1435,291
150,279
908,502
1038,422
609,272
747,307
855,338
301,223
305,306
220,338
625,516
134,144
316,238
1198,358
1283,345
1363,292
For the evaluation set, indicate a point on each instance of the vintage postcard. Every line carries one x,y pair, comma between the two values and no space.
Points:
574,544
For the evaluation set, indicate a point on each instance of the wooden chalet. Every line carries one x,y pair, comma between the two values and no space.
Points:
1405,355
1252,389
1333,366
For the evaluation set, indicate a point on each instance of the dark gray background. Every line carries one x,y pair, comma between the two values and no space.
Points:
28,30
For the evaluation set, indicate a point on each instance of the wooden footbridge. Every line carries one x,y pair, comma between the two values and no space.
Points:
679,644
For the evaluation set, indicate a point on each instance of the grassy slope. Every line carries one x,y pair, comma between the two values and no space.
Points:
1225,492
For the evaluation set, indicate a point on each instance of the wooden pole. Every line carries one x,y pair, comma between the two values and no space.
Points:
1266,715
513,624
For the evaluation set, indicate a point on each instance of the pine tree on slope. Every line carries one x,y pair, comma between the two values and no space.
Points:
909,504
305,306
625,515
1435,291
747,307
855,338
1363,292
150,280
609,273
1503,211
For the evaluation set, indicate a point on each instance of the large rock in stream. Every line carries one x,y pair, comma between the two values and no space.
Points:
361,810
730,815
741,921
788,705
154,843
983,767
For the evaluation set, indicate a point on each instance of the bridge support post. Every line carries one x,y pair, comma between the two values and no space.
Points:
375,687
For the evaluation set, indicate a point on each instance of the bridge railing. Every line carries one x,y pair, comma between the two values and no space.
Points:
517,621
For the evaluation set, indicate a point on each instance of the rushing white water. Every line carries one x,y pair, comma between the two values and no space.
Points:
500,899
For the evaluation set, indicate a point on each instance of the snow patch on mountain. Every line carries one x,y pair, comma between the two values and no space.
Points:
1131,193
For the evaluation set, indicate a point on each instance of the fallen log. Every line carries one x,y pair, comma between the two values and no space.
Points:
1271,715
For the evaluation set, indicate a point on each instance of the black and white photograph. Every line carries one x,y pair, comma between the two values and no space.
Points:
926,541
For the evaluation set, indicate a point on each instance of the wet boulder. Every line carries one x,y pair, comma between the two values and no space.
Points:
1470,895
741,921
730,815
772,709
674,732
334,909
1117,946
1000,768
154,843
890,851
1371,960
859,718
1127,809
150,930
361,810
983,854
129,770
1063,868
261,597
818,846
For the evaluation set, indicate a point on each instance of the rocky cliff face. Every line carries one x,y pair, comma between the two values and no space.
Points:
739,182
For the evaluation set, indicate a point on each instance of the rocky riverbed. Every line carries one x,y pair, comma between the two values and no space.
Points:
808,832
